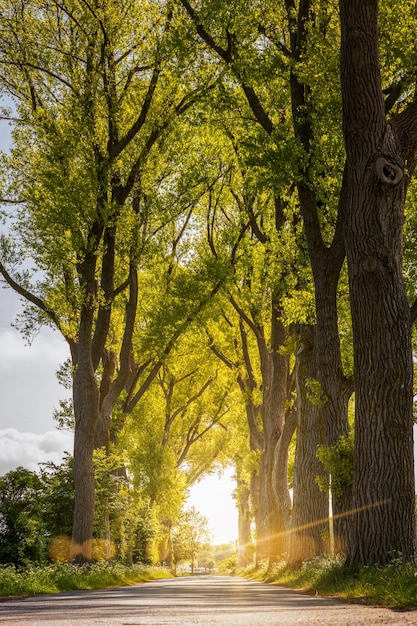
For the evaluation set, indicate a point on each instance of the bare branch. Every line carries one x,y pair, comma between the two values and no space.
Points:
10,201
44,70
30,297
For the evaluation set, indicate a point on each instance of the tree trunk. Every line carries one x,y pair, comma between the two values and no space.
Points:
326,263
383,482
273,510
267,522
310,525
86,399
280,480
337,390
245,546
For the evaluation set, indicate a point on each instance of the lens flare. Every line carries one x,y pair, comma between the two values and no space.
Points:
62,550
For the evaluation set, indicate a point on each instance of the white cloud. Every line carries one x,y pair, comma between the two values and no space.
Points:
29,389
47,347
26,449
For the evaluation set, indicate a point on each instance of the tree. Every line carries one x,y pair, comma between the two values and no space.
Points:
23,528
179,431
189,536
380,160
93,100
282,40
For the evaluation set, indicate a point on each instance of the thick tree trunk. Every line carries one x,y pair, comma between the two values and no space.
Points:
383,484
326,263
86,400
273,509
310,524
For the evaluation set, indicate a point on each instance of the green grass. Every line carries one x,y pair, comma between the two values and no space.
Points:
65,577
393,586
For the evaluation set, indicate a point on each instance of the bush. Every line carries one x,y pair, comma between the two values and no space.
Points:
66,577
393,586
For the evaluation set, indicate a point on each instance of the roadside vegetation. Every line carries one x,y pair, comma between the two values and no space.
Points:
58,577
392,586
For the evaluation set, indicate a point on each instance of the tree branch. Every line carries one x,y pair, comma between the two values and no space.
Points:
225,53
44,70
405,126
30,297
413,312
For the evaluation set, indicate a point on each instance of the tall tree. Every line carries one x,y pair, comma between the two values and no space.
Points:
96,86
282,40
381,156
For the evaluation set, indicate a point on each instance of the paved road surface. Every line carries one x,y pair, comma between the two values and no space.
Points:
202,600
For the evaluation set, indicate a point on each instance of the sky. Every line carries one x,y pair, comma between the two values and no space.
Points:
29,392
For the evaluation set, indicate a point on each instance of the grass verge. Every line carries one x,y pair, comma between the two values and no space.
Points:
66,577
393,586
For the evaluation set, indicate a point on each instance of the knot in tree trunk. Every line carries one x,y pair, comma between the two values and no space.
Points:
388,172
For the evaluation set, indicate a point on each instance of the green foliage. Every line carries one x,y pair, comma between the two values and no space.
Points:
65,577
36,514
315,393
58,496
393,586
189,535
35,508
338,461
181,428
23,528
123,514
228,565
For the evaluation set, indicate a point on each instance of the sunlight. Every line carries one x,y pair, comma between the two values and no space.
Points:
212,497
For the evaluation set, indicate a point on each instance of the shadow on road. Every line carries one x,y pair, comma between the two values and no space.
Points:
182,601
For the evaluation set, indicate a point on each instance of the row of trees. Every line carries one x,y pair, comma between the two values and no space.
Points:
36,511
185,182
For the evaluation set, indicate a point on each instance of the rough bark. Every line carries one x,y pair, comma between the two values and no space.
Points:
86,408
326,264
273,509
383,483
336,388
310,524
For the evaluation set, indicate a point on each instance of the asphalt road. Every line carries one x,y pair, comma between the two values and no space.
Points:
202,600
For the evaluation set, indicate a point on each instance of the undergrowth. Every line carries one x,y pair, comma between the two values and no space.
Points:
392,586
66,577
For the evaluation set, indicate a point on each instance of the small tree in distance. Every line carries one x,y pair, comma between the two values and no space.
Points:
189,535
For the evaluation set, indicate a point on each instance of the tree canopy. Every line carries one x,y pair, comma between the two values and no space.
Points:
209,202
